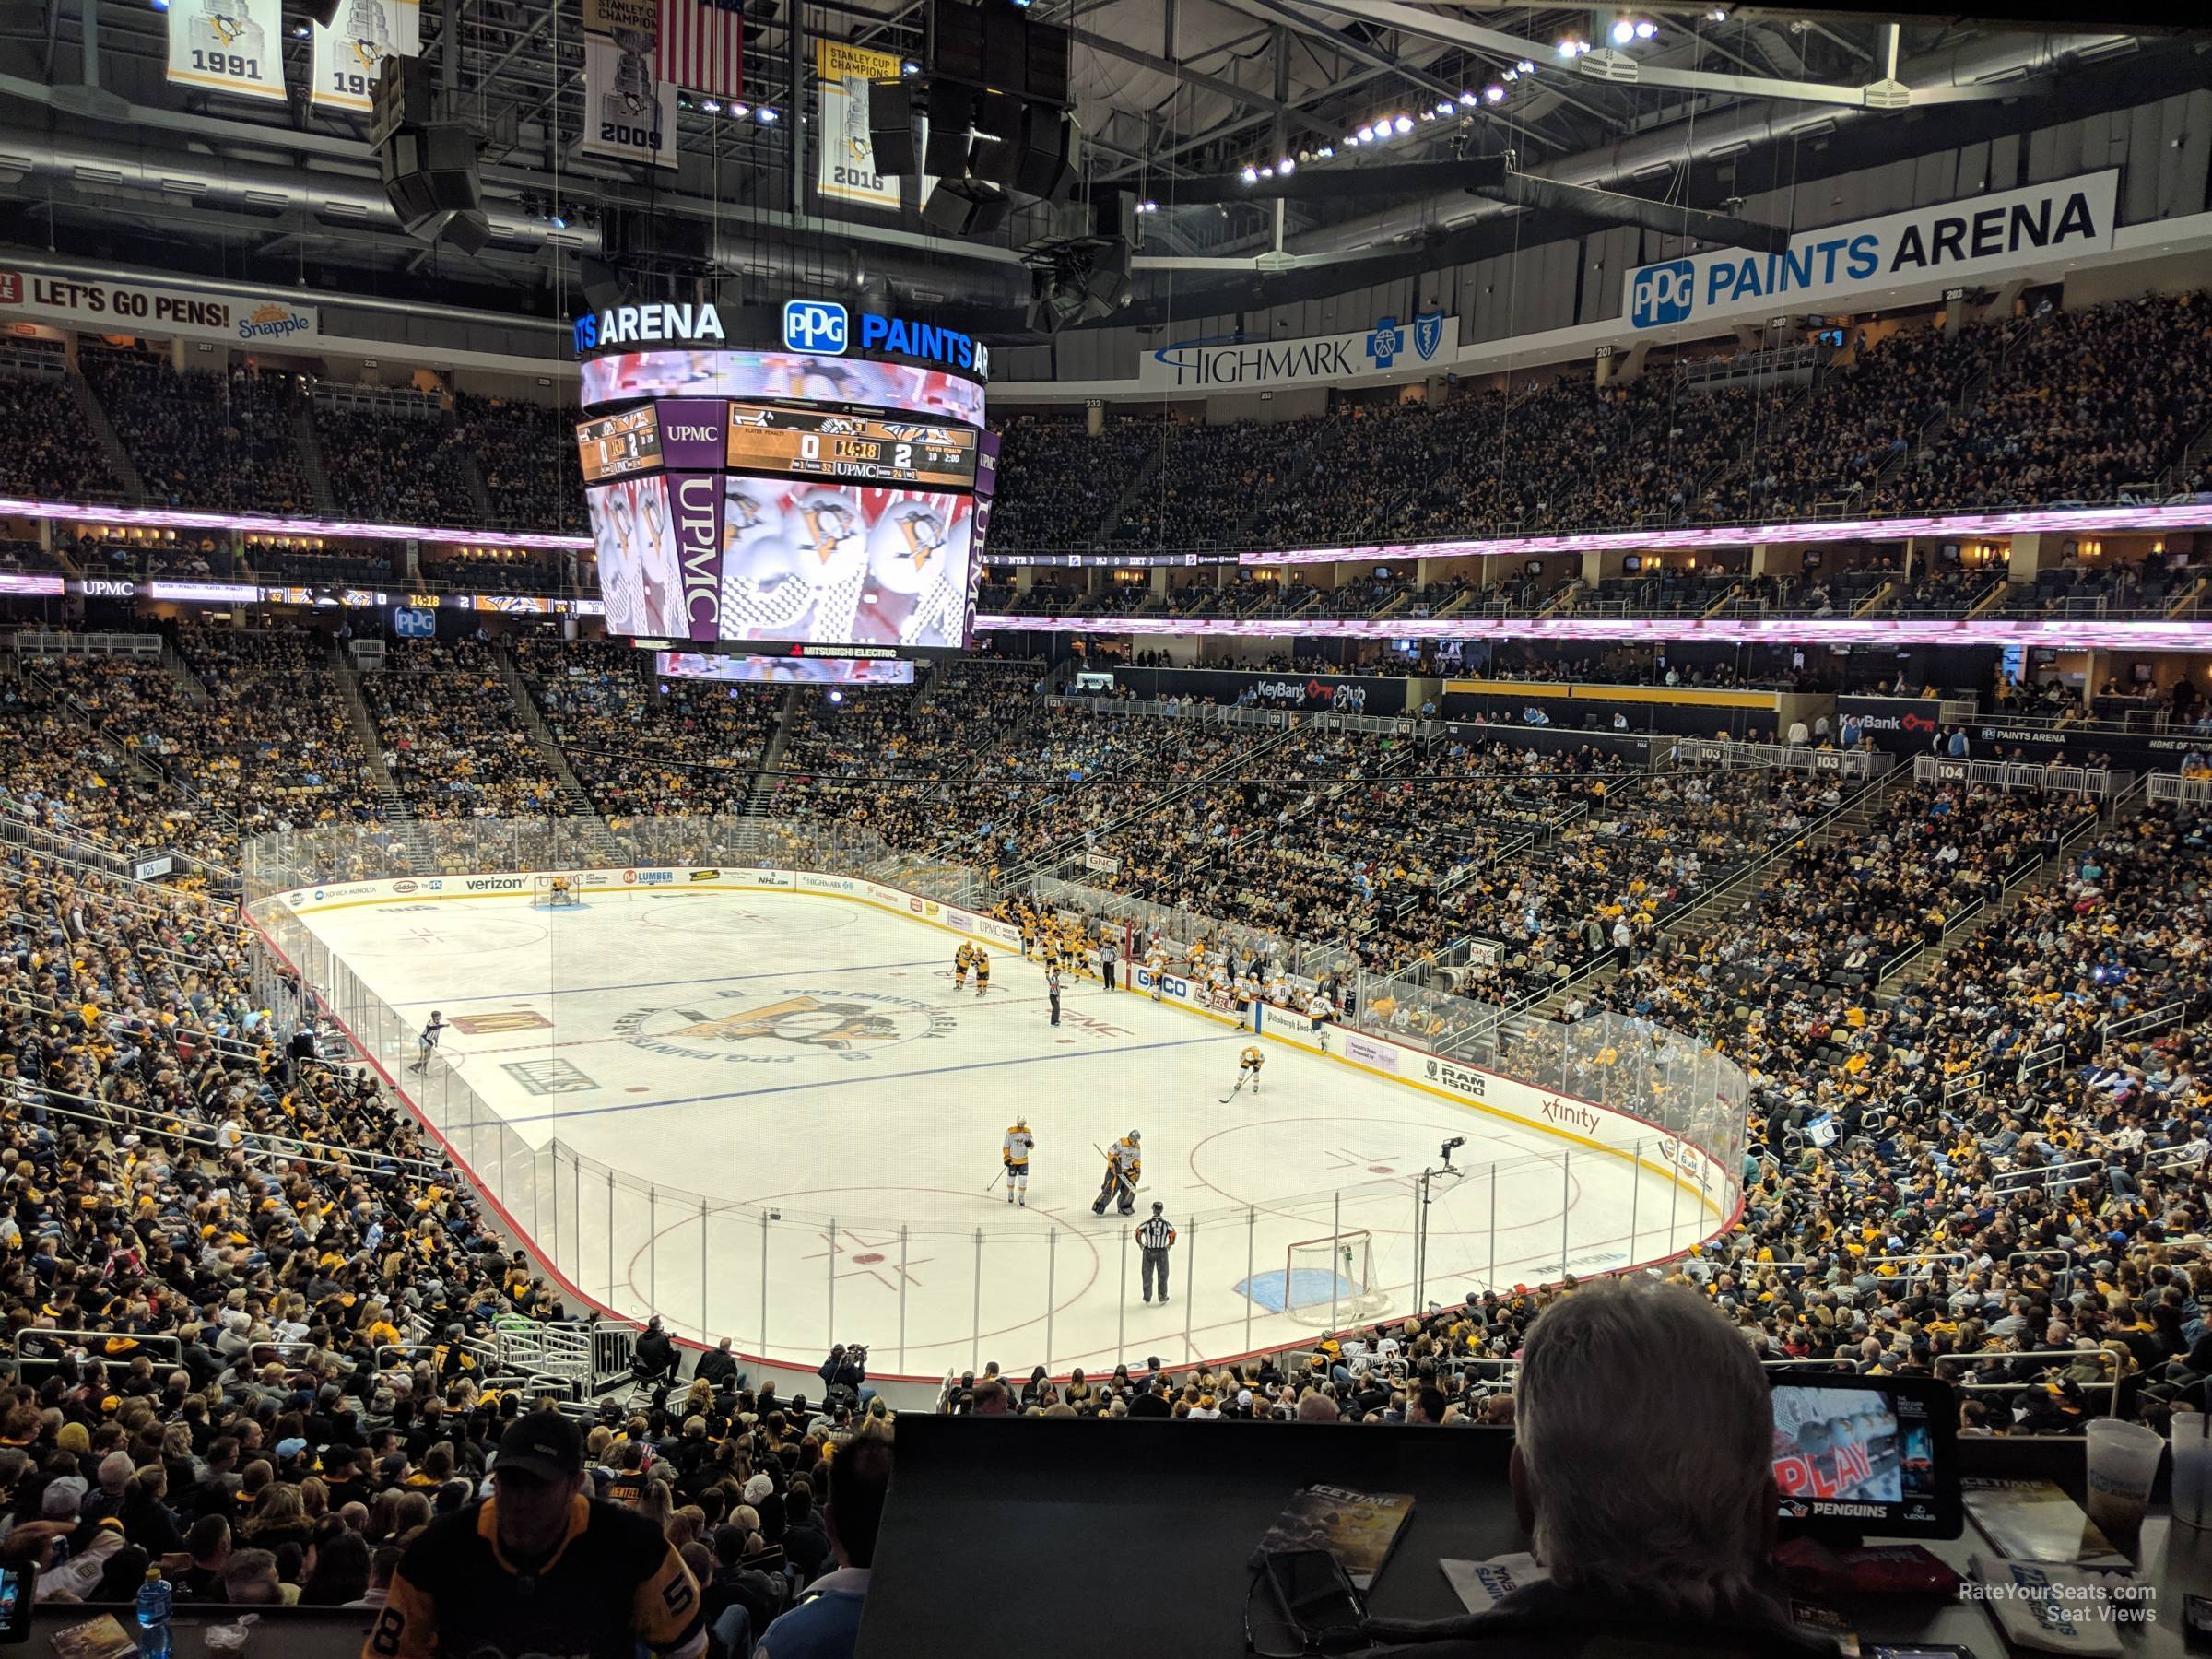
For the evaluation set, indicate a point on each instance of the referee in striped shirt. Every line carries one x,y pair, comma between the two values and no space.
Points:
1154,1237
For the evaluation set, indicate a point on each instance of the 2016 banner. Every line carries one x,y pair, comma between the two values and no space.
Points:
846,170
629,115
229,45
351,53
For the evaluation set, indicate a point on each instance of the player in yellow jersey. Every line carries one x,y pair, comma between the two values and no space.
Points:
1248,1071
960,968
982,959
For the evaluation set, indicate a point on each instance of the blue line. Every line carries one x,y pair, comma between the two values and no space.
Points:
846,1078
705,979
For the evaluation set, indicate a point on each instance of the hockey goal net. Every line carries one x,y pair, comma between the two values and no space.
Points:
553,892
1331,1282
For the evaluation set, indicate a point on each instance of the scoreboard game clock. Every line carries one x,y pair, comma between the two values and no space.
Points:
868,449
618,446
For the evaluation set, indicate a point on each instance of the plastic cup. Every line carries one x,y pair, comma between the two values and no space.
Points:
2123,1461
2193,1468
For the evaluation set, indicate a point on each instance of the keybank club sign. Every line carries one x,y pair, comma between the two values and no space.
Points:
1979,236
1390,347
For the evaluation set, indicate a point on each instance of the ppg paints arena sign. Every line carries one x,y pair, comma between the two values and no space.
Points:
1979,236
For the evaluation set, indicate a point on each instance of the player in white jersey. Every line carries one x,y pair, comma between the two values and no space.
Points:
1247,994
1015,1155
1156,963
1125,1168
1320,1012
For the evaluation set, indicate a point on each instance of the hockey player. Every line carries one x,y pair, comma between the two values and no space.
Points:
982,959
1156,964
428,1043
1248,1066
1319,1011
1124,1164
960,968
1016,1154
1247,992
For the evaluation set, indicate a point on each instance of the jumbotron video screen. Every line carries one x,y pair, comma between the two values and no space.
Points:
746,523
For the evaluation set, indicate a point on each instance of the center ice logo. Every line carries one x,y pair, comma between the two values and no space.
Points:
781,1028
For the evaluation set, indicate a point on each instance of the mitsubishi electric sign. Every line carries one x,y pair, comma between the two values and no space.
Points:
1391,346
1982,236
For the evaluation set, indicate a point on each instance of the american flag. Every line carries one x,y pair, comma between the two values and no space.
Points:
702,46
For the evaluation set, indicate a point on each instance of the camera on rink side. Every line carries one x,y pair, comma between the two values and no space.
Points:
1451,1145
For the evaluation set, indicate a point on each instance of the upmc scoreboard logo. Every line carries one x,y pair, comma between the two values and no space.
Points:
1663,294
817,325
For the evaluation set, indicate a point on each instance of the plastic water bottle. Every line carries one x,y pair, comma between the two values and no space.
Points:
153,1616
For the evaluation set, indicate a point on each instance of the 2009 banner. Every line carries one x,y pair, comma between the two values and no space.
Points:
229,45
350,52
628,113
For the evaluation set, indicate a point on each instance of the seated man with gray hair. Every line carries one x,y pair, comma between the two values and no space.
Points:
1641,1468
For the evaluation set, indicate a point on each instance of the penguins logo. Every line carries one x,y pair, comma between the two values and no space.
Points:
367,39
836,1026
924,531
849,1025
742,513
634,90
830,524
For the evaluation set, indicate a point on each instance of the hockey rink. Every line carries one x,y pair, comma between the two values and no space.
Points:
773,1116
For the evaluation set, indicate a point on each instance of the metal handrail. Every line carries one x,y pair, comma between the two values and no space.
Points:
2043,1176
274,1145
2098,781
142,1339
1782,757
2172,789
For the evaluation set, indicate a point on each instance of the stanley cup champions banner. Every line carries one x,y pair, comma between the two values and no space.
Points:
351,53
844,156
629,111
229,45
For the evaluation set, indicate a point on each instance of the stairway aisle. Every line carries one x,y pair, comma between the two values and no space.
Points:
589,826
391,805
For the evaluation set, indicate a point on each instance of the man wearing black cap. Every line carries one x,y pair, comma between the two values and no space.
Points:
540,1569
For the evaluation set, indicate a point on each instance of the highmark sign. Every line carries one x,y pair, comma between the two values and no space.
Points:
1982,236
1390,347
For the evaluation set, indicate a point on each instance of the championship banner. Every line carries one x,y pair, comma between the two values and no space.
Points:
846,157
351,53
620,16
629,116
228,45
